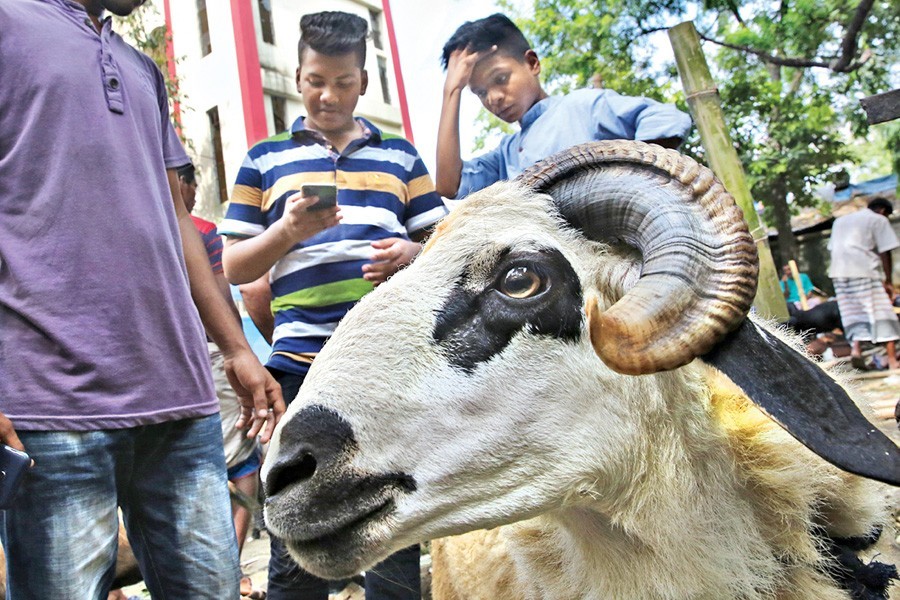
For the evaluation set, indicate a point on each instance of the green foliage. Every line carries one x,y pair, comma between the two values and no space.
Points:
584,42
790,122
152,41
489,126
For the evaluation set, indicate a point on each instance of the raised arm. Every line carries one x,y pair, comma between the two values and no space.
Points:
449,160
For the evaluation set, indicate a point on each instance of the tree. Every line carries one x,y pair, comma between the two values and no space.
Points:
790,75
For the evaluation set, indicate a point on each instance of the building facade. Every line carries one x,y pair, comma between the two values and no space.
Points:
235,63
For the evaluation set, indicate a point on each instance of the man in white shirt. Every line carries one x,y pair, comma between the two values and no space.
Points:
861,267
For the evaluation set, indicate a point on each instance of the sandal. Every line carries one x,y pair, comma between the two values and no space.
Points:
858,362
247,590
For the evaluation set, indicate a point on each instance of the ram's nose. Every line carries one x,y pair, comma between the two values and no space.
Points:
315,441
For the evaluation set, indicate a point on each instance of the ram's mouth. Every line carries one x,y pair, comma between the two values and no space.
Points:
343,529
343,546
334,528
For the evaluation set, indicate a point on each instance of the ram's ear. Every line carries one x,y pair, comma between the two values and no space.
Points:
808,403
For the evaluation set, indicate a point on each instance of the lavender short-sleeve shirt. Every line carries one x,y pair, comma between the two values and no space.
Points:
97,326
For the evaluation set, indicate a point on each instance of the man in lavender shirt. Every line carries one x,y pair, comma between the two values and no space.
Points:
104,376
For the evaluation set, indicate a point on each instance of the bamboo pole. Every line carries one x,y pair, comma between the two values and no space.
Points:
795,273
706,108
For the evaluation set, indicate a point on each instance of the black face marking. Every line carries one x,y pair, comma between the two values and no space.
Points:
537,289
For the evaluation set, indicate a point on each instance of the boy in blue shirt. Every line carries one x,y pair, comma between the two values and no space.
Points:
493,58
321,262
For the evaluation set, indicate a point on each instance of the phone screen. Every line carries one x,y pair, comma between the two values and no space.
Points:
327,193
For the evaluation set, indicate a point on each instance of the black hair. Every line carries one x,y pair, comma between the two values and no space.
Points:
495,30
186,172
333,33
881,202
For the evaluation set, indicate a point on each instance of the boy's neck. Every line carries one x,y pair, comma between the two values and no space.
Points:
338,138
542,95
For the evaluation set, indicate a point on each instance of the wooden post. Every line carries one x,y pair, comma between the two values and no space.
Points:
706,108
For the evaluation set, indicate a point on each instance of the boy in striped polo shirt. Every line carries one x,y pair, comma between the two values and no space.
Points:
321,262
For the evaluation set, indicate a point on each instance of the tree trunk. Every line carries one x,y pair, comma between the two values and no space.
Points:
787,244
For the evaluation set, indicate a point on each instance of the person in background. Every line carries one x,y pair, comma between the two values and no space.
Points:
789,286
496,62
243,455
321,262
861,269
104,376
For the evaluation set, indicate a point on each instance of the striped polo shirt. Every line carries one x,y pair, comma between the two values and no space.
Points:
383,189
212,241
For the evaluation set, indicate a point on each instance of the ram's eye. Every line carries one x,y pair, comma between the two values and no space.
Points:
521,282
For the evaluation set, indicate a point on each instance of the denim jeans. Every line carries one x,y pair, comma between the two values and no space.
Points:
60,535
396,578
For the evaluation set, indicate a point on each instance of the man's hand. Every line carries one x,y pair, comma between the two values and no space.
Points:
8,434
258,392
889,288
300,224
460,66
391,255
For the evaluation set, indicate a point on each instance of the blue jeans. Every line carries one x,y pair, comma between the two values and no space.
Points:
60,536
396,578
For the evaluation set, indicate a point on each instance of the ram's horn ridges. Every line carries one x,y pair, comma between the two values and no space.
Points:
700,266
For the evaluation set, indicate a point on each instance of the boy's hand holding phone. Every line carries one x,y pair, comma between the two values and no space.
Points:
391,255
307,213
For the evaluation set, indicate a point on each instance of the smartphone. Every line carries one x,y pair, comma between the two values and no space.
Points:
13,464
327,193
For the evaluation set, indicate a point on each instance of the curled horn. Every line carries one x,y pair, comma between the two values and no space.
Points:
699,271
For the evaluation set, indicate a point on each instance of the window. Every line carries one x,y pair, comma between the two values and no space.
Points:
215,130
375,19
278,114
205,45
383,74
265,20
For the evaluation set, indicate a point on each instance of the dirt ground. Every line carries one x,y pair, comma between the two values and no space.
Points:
879,389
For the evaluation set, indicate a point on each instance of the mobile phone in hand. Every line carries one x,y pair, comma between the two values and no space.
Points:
13,464
327,193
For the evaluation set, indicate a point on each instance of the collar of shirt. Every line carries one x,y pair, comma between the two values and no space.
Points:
78,10
537,110
111,76
299,130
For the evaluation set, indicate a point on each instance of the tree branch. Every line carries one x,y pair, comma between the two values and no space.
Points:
848,44
840,64
642,32
734,11
791,61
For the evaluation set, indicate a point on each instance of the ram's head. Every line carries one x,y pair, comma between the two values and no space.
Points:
548,326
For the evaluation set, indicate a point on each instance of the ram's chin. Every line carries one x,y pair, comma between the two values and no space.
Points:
345,551
337,561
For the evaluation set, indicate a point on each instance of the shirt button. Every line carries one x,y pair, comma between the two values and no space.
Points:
87,21
113,83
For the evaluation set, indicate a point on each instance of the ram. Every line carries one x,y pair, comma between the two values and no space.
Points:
569,367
